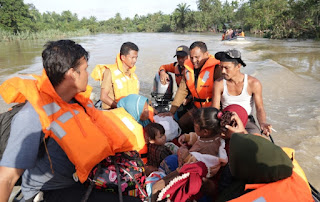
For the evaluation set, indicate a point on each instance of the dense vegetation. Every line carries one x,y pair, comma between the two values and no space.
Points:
274,18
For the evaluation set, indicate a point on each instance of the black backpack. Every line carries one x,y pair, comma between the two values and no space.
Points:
5,126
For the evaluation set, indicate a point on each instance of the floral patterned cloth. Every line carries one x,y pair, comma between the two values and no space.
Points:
131,170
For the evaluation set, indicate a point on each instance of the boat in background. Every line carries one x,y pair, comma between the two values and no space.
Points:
230,35
236,38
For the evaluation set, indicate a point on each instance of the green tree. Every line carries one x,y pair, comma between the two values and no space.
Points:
69,21
14,15
300,20
198,24
139,23
157,22
211,13
263,13
91,24
180,16
229,14
241,16
36,18
50,20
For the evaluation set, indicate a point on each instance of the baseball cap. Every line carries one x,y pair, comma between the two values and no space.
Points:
182,51
230,56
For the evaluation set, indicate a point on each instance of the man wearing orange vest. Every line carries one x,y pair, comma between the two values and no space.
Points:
200,73
58,136
182,54
119,79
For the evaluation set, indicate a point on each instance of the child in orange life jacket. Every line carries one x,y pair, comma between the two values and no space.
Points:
157,151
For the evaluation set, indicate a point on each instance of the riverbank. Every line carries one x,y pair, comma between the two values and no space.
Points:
45,34
7,36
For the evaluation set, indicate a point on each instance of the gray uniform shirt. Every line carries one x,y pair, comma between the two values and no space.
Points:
25,150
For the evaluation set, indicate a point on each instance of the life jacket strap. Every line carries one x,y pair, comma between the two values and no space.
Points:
145,155
195,99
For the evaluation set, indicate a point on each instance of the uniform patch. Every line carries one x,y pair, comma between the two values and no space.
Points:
205,76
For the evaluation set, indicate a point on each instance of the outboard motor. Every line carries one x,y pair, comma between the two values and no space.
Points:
162,94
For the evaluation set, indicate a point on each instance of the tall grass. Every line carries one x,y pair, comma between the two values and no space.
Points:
45,34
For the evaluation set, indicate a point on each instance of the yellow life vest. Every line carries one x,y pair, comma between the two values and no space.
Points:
131,124
136,129
123,85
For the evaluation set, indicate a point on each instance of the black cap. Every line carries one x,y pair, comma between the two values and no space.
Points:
182,51
230,56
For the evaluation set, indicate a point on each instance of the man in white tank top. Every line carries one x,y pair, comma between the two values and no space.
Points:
235,87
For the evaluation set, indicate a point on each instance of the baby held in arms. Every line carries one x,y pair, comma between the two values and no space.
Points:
205,143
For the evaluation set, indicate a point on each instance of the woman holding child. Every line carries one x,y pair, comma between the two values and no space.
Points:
205,145
257,168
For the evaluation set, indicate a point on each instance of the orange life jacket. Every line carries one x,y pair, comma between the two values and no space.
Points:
293,188
174,68
178,72
123,85
86,135
202,93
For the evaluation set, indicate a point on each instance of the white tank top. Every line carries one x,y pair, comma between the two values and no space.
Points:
244,99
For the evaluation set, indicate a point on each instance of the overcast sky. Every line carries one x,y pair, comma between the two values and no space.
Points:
105,9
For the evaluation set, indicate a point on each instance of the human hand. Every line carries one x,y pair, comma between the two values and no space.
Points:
164,77
182,139
183,153
213,170
190,159
239,128
163,114
265,129
186,100
149,169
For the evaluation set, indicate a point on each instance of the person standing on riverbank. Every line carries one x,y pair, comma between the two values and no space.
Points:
235,87
200,73
119,79
58,119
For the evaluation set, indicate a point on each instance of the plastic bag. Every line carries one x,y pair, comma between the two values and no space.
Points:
172,129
